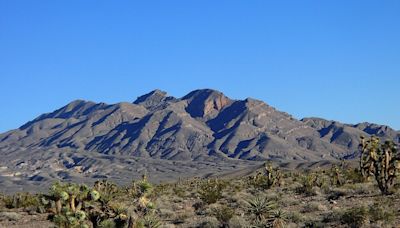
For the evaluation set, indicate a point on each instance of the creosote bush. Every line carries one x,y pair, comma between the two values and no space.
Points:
210,191
21,200
224,214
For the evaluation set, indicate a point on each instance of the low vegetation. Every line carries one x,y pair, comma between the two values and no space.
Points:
337,196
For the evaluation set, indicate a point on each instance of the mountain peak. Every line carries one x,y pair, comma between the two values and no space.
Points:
153,94
203,93
153,99
205,102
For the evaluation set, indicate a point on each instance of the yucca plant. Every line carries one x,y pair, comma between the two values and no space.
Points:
261,207
278,219
148,221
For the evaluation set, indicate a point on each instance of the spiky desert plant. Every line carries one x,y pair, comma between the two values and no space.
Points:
278,219
112,211
369,150
71,204
381,160
336,176
268,178
148,221
261,207
107,190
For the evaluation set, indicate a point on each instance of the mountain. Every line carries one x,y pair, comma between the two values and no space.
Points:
203,126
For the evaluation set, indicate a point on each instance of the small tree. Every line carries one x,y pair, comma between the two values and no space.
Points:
380,160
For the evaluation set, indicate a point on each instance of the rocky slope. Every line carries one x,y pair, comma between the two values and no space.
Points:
204,125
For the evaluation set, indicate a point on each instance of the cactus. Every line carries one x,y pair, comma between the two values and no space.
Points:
106,189
369,149
71,202
380,160
270,177
336,176
76,205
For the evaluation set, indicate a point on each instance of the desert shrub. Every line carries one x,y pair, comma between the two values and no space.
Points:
313,207
314,224
181,217
353,176
198,205
355,217
208,222
238,222
109,223
161,189
148,221
287,201
224,215
309,182
179,191
2,200
211,190
360,188
382,211
295,217
335,194
21,200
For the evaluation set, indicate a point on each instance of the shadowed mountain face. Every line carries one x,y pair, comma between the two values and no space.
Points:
203,126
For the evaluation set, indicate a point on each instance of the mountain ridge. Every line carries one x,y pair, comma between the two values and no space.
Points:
205,132
205,118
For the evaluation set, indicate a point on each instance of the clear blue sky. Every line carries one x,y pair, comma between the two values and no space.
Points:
333,59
